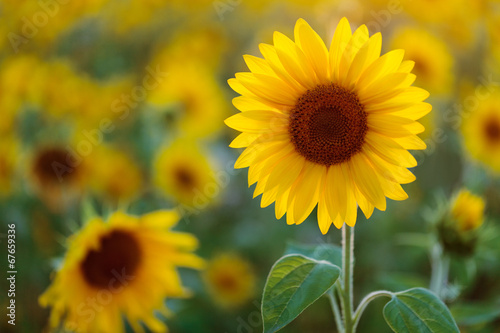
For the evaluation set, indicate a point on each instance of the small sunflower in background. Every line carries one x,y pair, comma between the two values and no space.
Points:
481,131
433,60
458,227
57,175
115,174
183,173
190,96
15,77
230,280
328,128
122,268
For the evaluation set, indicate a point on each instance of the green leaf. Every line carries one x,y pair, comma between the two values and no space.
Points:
418,310
328,252
294,283
475,314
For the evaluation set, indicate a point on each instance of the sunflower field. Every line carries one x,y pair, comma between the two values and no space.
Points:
241,166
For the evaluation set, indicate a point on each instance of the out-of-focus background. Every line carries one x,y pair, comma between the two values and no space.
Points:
119,104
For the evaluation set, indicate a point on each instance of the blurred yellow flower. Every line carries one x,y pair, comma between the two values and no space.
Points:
126,267
467,210
205,44
192,94
230,280
481,131
34,25
183,172
328,127
57,178
15,75
456,18
9,155
114,174
433,61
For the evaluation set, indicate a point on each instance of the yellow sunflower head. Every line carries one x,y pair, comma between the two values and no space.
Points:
481,131
9,149
126,267
467,211
433,60
327,127
57,176
230,280
184,173
459,229
115,175
190,95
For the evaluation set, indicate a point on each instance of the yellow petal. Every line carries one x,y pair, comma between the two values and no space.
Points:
294,61
339,42
258,121
386,64
358,39
364,58
385,88
268,87
245,103
336,191
389,150
366,180
269,52
243,140
393,126
281,204
313,47
257,65
161,218
324,220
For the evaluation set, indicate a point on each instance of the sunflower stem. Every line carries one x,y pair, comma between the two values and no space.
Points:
347,275
336,311
439,271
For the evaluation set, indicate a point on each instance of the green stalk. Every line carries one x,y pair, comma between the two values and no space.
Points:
347,276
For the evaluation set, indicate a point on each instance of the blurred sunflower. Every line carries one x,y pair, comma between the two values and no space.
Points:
433,60
57,177
125,266
115,175
230,280
191,95
456,18
482,132
15,78
459,229
467,210
328,128
183,172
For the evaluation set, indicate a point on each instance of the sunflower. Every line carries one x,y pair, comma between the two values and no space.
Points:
189,95
467,210
115,174
327,127
183,172
125,266
230,280
482,131
459,231
57,176
433,60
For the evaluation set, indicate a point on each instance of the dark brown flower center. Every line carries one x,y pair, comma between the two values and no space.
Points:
328,125
50,165
492,131
226,282
184,178
119,255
